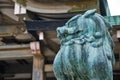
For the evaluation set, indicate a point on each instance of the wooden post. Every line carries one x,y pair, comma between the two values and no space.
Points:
38,67
38,62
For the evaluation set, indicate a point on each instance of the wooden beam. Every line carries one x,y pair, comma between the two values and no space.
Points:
117,48
19,9
25,68
48,52
6,6
50,75
15,47
7,30
36,25
48,68
52,45
10,14
12,24
114,37
15,52
50,34
15,67
17,76
117,66
44,25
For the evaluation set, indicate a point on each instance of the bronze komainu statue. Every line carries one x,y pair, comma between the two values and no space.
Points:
86,51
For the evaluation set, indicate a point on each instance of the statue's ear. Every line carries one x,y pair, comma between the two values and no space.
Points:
89,13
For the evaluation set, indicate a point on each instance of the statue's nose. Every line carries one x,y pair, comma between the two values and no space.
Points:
61,31
58,30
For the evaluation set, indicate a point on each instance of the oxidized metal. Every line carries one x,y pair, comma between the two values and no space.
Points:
86,51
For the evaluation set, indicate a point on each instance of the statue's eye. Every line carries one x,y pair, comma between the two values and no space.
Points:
65,35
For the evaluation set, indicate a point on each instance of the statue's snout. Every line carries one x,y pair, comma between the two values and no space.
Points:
61,31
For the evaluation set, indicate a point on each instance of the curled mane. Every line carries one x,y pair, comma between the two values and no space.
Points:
89,27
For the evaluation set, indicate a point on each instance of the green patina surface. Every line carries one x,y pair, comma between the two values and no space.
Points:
86,51
114,20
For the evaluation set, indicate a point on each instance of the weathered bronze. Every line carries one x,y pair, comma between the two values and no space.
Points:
86,51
